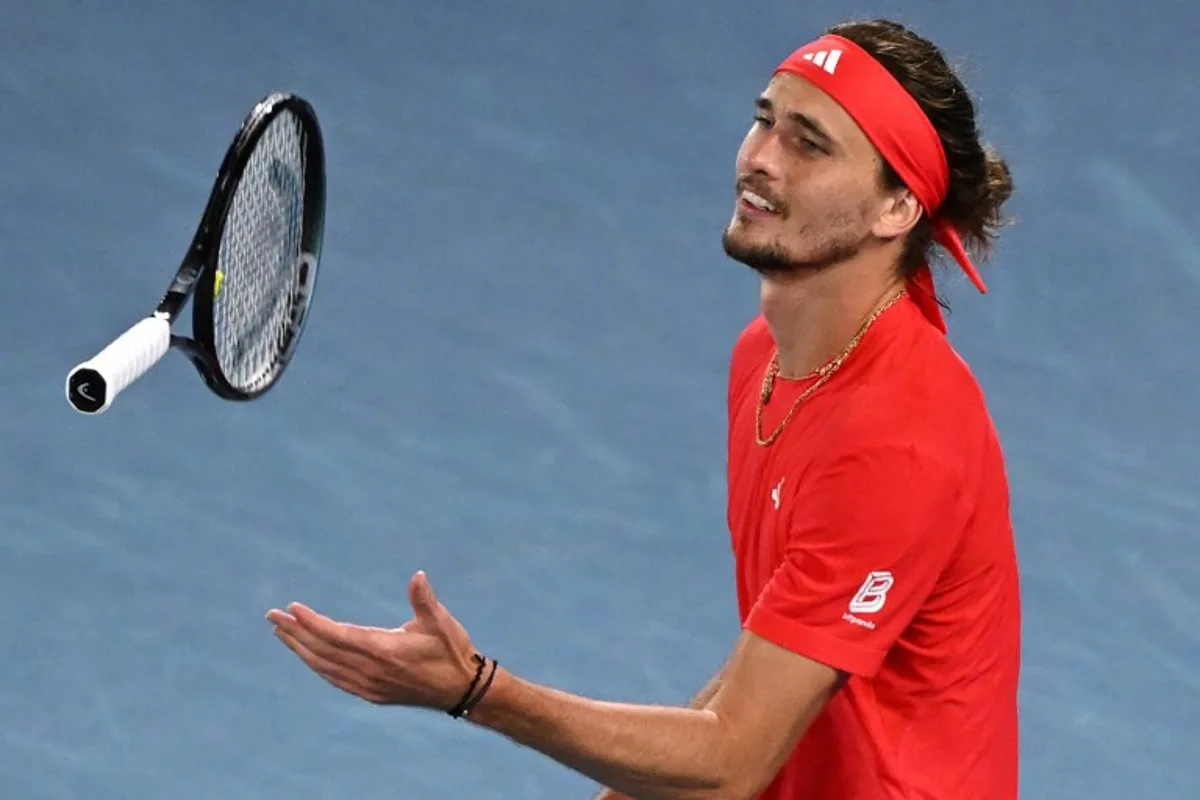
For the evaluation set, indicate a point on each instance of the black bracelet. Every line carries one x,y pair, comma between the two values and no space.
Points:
458,710
487,685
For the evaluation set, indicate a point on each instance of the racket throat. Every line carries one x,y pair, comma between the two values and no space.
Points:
205,364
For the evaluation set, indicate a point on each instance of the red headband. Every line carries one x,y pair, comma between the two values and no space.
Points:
894,122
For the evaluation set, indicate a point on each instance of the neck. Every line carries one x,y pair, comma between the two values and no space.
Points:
813,316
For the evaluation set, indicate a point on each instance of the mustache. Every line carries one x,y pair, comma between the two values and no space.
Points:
754,184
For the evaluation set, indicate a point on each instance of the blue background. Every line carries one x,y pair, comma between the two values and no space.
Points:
514,379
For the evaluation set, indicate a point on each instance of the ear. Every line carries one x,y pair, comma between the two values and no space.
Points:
899,213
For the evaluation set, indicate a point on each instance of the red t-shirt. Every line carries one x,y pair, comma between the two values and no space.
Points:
874,536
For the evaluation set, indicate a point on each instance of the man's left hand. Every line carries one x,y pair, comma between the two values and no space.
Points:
427,662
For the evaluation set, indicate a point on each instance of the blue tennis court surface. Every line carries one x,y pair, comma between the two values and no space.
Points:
514,379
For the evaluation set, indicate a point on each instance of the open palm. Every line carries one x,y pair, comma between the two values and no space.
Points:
426,662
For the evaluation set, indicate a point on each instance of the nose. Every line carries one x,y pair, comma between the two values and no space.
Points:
759,154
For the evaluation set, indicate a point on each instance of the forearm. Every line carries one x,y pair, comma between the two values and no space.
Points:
644,752
699,700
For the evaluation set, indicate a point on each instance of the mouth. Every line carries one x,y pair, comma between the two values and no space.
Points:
755,204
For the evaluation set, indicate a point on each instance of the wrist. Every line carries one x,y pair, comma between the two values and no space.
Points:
489,706
481,683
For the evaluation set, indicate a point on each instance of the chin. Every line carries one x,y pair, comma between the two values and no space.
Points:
767,258
771,259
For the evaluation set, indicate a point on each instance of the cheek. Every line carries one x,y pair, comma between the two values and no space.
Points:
829,193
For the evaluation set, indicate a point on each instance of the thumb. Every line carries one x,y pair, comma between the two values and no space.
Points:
421,596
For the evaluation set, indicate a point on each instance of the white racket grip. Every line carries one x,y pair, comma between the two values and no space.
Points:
93,385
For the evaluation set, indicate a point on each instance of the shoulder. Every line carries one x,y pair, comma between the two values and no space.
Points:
918,400
942,384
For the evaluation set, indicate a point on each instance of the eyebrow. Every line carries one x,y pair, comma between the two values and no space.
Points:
803,120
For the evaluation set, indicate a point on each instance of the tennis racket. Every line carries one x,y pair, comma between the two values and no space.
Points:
251,268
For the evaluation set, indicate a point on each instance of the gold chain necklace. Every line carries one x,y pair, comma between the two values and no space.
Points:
822,375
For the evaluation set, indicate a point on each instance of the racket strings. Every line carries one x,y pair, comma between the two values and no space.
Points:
261,271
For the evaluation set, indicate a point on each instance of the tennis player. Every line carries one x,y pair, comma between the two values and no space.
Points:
868,507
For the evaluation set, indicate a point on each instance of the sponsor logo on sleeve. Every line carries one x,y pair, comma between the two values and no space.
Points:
869,599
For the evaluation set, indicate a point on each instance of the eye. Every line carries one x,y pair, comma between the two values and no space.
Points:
762,120
811,147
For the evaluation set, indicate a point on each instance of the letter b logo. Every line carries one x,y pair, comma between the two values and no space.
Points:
872,594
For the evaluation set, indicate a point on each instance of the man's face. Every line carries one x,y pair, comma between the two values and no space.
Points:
808,188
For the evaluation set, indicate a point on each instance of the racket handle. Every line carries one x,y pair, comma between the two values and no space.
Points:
93,385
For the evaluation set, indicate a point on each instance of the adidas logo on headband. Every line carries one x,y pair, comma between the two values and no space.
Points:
825,59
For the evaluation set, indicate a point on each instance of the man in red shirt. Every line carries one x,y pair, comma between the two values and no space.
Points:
868,505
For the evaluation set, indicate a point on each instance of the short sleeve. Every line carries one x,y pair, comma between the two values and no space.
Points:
871,529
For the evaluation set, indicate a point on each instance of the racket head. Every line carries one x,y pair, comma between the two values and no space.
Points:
262,249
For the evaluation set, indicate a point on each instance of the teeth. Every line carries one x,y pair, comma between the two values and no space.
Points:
756,201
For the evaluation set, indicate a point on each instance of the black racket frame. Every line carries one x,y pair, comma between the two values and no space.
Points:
198,271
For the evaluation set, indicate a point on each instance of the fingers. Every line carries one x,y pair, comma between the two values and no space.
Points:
276,616
369,676
322,665
336,675
327,649
321,632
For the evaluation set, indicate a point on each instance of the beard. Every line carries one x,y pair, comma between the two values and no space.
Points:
773,260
